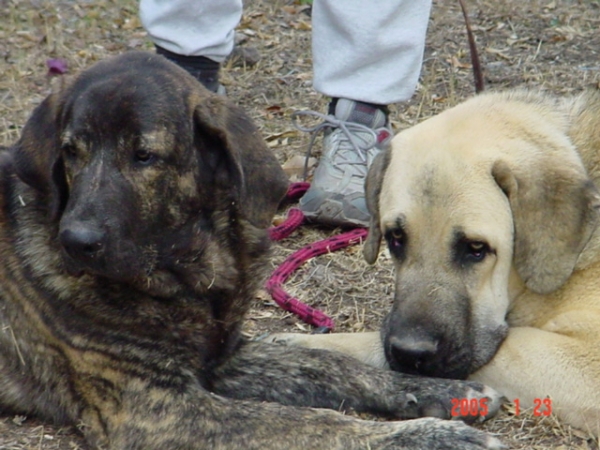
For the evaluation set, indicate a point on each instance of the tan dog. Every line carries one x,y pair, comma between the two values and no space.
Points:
489,211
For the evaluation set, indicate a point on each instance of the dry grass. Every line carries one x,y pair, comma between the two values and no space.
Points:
551,44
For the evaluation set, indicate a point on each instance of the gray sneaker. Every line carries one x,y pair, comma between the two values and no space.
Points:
353,137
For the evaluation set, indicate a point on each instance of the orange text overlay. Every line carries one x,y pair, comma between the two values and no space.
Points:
463,407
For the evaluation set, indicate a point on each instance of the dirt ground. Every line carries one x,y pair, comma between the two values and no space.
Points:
551,44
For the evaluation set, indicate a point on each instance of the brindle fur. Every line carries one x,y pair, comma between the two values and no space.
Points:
132,237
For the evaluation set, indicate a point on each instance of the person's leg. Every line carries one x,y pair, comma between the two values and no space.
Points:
196,34
366,56
371,52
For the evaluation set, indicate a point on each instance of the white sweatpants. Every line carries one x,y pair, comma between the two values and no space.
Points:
362,50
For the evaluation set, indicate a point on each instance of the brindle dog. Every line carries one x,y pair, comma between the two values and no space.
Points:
133,234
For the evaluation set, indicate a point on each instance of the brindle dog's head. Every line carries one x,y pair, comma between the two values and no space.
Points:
475,205
139,164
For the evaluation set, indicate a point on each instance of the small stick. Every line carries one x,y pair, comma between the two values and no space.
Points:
477,73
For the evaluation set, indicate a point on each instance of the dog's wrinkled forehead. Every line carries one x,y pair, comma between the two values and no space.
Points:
414,184
142,96
433,192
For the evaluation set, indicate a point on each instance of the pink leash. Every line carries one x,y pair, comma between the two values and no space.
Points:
274,284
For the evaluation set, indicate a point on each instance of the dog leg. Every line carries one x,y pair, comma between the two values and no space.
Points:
309,377
531,363
152,418
366,347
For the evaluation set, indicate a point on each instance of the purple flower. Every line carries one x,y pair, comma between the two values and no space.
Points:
56,66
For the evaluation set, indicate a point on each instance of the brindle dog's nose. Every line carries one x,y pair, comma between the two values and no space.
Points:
82,241
412,353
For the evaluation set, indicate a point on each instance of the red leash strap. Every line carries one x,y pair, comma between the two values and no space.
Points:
294,217
274,284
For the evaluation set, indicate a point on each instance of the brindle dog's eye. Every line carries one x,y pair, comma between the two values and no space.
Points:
144,156
68,150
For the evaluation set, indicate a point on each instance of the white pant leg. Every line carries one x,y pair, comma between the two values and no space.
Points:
369,51
192,27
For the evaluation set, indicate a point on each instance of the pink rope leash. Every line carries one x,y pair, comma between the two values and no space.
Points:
274,284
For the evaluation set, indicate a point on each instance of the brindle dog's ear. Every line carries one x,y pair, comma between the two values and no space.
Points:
373,185
555,212
36,155
257,177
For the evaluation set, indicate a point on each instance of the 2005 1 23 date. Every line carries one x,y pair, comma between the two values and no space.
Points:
462,407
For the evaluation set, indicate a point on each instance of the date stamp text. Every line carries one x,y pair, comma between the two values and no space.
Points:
464,407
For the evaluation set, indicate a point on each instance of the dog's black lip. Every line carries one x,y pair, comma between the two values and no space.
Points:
78,268
135,277
75,273
72,267
436,369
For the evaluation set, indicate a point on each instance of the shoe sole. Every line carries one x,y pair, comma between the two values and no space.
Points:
331,212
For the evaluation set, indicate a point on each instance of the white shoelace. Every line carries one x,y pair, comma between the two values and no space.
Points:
349,130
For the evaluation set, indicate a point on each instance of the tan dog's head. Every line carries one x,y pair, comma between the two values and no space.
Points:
139,166
468,201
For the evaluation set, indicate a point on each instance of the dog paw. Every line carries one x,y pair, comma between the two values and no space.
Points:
467,401
481,404
436,434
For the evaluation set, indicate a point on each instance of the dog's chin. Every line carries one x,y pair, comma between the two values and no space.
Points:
456,366
435,371
104,268
487,344
73,269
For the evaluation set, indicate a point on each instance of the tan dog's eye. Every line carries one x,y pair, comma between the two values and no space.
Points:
477,250
396,239
467,252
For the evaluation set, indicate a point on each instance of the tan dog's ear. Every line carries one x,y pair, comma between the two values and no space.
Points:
555,212
36,155
373,185
258,179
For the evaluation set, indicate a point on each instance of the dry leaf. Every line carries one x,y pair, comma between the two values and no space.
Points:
500,53
262,294
454,62
301,25
295,165
283,134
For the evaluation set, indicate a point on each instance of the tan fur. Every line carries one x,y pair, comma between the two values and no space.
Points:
517,171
